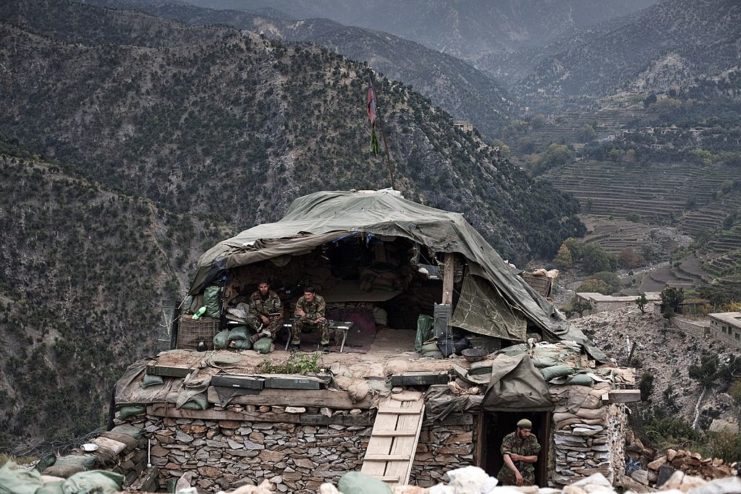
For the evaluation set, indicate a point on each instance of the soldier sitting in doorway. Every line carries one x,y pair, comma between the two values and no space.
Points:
520,451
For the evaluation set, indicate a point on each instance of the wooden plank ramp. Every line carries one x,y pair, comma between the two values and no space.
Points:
394,438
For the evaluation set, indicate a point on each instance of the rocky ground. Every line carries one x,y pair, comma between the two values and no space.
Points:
662,351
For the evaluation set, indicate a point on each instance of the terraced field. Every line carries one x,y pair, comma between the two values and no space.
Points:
655,193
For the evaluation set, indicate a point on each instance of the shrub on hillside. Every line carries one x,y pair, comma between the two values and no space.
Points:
593,285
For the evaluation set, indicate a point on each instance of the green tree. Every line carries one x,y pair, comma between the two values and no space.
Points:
594,259
671,299
564,260
641,302
593,285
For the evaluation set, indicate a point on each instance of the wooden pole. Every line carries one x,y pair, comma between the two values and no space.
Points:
448,275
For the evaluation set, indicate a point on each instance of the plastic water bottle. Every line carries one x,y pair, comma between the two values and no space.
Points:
199,312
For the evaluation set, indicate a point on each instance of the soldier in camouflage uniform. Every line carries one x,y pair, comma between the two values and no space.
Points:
520,451
310,314
266,312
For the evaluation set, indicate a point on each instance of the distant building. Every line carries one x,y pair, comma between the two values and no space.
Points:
464,125
726,326
604,303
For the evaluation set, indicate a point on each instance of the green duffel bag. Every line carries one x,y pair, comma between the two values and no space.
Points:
359,483
221,340
212,302
263,345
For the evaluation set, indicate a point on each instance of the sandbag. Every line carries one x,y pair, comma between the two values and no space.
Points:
263,345
130,410
18,480
240,344
196,402
434,354
424,330
66,466
150,380
428,347
212,302
93,482
239,333
221,340
359,483
544,361
556,371
51,488
580,380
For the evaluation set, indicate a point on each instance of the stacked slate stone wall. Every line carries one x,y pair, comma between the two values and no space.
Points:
588,436
297,457
443,446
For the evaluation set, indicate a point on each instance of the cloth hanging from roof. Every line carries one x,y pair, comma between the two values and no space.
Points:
482,310
516,385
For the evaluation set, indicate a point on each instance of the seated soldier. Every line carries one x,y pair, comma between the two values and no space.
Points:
266,312
310,314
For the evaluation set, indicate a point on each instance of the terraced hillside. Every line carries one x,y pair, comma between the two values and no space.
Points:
653,192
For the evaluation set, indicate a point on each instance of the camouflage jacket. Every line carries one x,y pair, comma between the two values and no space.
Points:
525,447
267,306
314,309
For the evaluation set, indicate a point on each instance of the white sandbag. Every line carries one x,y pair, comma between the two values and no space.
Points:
471,479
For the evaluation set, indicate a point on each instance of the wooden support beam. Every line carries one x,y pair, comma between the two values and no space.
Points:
448,275
295,398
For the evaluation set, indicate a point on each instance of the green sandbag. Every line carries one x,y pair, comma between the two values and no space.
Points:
197,402
93,482
150,380
263,345
435,354
240,344
556,371
129,411
239,333
580,380
359,483
221,340
429,347
544,361
211,296
51,488
18,480
424,331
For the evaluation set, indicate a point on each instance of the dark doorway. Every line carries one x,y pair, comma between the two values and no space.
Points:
493,426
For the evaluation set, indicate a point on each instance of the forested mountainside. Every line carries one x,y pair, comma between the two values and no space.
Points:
84,272
668,44
468,30
217,121
449,82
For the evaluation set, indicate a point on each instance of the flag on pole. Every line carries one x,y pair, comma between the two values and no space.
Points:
371,107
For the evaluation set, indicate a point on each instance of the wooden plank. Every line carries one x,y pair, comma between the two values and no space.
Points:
392,433
388,457
379,445
169,410
624,395
448,276
295,397
401,411
406,445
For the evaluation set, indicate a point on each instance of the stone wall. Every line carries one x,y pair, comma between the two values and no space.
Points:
588,436
443,446
296,457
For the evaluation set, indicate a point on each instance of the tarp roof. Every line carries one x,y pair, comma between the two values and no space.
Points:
321,217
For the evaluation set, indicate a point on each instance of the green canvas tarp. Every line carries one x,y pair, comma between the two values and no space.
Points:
482,310
322,217
516,385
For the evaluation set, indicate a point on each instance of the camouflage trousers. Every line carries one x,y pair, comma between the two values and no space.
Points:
300,326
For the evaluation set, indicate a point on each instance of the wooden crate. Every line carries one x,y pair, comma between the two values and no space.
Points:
191,331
